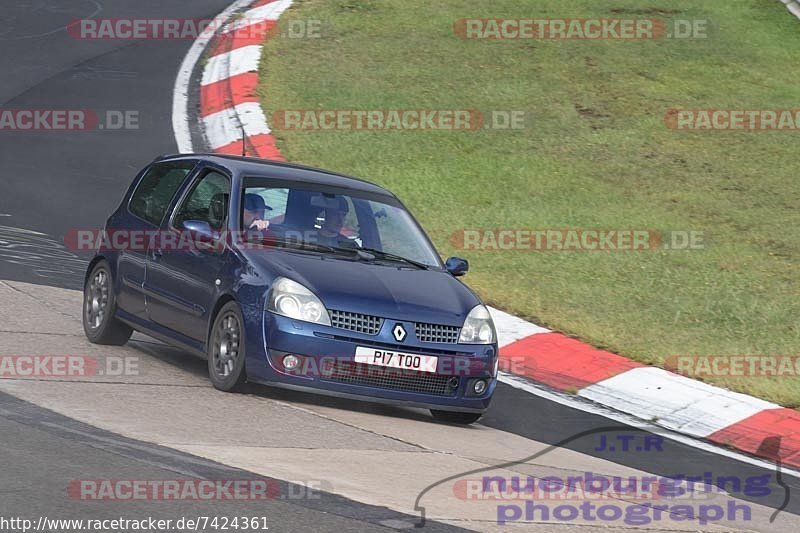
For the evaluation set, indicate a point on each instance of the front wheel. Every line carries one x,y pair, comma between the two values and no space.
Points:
456,418
99,307
226,349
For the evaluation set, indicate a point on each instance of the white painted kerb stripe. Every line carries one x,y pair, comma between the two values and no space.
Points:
511,329
270,11
224,127
678,403
793,6
180,92
229,64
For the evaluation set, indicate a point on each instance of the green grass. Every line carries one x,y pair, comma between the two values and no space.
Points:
595,154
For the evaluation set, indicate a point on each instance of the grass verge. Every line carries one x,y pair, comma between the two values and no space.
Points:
595,154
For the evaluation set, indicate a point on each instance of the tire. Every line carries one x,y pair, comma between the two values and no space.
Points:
100,324
226,352
456,418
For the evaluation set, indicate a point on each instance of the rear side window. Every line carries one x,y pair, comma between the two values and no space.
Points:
156,189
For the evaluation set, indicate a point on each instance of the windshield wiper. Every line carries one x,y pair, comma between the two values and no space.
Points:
314,246
392,257
361,252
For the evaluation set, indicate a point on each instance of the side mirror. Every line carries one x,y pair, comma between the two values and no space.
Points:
457,266
200,232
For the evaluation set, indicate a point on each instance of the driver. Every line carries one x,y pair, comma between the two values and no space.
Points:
254,212
331,232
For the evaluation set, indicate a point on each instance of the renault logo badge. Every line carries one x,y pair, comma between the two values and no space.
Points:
399,332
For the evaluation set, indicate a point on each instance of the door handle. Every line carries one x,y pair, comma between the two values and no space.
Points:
158,254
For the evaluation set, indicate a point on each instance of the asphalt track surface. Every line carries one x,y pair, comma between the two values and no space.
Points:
56,181
43,452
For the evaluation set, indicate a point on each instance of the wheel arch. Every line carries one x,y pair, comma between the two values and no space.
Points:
223,299
93,263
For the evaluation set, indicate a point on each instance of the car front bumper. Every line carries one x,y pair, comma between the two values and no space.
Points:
328,367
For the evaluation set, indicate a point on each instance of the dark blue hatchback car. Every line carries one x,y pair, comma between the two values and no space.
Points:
294,277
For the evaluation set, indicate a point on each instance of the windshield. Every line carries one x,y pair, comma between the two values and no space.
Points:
335,219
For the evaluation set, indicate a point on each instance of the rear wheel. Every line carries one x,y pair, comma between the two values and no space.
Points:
456,418
226,349
99,307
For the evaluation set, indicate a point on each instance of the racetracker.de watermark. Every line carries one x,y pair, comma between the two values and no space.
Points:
338,120
709,120
67,120
55,366
200,490
735,366
160,29
547,29
577,240
387,363
131,240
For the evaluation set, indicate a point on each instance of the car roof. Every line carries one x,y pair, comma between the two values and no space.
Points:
255,167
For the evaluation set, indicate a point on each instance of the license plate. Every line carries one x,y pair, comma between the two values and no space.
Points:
407,361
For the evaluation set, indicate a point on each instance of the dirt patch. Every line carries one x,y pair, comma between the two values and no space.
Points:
589,113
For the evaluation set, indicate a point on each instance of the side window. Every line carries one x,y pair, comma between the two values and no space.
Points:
208,202
154,193
275,199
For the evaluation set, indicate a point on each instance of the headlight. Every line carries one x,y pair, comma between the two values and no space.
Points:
478,327
289,298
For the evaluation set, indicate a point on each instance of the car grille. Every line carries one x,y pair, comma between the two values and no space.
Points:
437,333
366,324
393,378
403,348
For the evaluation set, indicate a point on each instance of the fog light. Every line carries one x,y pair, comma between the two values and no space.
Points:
290,362
479,387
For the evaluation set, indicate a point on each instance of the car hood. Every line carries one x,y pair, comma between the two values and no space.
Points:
382,289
